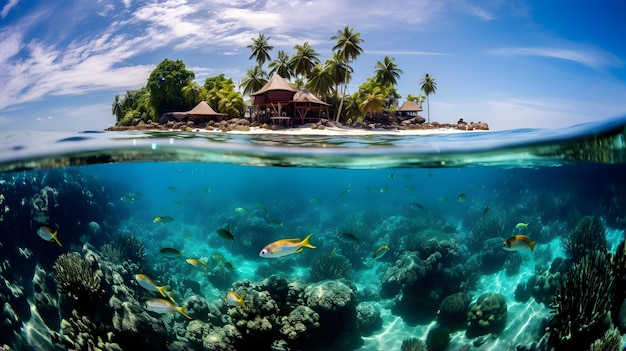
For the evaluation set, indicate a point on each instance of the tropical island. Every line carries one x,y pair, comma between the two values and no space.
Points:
318,97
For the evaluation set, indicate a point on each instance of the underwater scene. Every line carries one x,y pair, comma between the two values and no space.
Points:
467,241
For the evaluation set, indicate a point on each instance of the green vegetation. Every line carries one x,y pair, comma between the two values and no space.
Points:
172,87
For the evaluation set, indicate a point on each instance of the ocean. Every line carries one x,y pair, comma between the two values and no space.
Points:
501,240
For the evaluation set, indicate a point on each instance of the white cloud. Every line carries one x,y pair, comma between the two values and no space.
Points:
592,57
8,7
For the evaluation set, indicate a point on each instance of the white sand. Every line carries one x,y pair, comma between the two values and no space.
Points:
332,131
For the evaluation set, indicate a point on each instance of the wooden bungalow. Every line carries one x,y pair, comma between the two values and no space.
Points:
272,99
409,109
279,102
307,106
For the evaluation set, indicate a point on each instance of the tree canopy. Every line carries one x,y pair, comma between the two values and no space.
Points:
166,83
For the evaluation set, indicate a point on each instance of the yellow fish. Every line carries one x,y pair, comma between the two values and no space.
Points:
48,235
380,252
163,306
149,284
232,299
240,210
518,242
285,247
171,252
461,198
486,211
197,264
162,219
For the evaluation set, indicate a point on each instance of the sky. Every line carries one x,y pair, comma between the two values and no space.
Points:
510,63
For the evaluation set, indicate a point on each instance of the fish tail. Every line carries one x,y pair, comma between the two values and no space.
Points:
306,242
54,236
181,309
532,245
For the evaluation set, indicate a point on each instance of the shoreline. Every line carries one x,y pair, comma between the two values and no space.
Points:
323,127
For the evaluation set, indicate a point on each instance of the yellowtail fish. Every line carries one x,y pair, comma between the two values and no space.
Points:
171,252
232,299
518,242
217,256
226,233
461,198
162,219
384,189
417,206
48,235
147,283
285,247
486,211
241,210
163,306
521,227
380,252
348,238
443,199
197,264
226,264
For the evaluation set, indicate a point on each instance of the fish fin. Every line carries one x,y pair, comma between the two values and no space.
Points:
54,237
532,245
306,242
181,309
298,250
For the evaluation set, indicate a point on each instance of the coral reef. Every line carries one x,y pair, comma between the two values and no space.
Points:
368,318
582,302
76,278
408,269
330,267
453,311
588,235
482,231
610,341
513,264
487,315
492,257
438,339
412,344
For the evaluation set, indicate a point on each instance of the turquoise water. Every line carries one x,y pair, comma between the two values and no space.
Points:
408,234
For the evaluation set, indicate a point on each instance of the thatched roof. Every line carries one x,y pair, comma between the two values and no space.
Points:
305,95
203,109
410,106
275,83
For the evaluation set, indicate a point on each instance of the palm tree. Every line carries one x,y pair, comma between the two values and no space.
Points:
387,72
116,108
231,103
192,93
303,61
281,66
373,102
321,81
255,79
260,48
339,70
348,47
429,86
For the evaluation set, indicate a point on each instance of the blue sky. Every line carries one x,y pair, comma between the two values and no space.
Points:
513,64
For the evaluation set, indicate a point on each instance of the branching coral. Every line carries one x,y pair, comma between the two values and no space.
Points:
330,267
611,341
582,301
587,236
412,344
76,278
